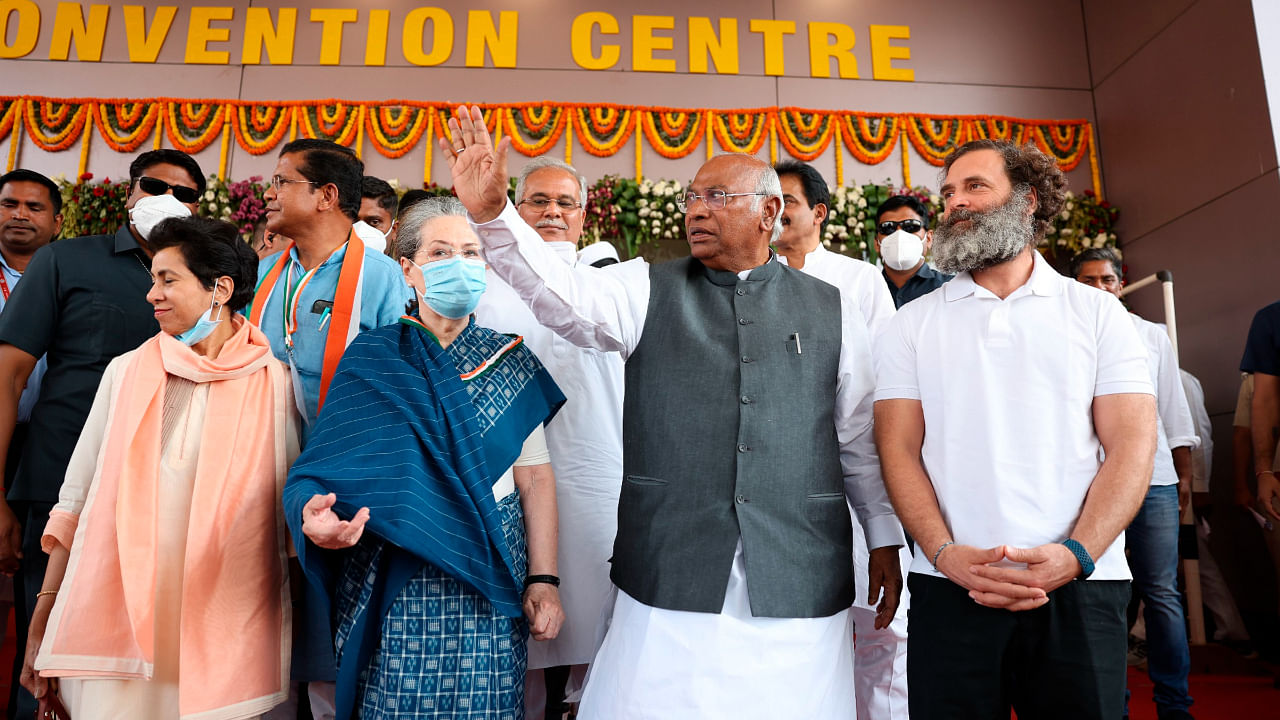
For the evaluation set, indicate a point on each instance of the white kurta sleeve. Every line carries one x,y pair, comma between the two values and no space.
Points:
589,307
863,483
1171,399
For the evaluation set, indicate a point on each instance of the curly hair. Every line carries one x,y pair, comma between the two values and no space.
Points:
1025,166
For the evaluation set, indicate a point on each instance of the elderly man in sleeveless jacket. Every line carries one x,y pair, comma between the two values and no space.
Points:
746,423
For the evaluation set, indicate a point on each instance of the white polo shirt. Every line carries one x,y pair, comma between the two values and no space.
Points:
1007,390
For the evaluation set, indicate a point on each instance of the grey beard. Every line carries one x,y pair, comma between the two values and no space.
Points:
992,237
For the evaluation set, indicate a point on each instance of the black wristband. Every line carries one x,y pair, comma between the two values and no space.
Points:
546,579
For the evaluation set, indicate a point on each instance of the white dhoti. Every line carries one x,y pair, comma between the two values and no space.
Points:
879,656
660,664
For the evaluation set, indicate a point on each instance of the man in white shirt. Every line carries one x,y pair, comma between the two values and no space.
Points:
733,587
1152,537
585,440
806,204
995,399
880,650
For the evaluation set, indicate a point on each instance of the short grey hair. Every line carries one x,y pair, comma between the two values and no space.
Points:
771,186
544,162
416,217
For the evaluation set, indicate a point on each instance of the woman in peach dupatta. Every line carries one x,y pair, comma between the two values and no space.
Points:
167,590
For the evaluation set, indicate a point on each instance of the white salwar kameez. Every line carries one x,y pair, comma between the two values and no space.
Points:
669,664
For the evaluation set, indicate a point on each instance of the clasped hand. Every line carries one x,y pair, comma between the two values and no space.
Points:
323,527
1048,567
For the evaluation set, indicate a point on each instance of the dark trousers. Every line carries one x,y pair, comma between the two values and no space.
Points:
1065,659
26,583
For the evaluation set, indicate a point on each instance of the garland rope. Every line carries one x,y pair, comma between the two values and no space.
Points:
394,127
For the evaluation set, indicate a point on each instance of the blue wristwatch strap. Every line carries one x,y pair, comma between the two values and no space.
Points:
1086,561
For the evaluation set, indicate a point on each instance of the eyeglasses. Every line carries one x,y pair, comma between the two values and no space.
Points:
714,199
441,254
541,203
910,225
152,186
277,181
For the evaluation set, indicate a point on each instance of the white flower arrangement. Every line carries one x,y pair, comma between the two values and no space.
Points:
660,216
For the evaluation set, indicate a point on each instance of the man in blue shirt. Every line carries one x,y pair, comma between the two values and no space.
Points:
903,239
313,298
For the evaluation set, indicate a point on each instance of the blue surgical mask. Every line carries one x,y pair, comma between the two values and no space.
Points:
453,286
203,327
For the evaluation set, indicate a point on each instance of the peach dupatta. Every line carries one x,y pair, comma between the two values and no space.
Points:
235,614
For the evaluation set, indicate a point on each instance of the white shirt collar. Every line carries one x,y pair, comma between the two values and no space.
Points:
812,254
1044,281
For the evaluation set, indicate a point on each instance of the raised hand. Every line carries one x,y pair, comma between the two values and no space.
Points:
324,528
479,169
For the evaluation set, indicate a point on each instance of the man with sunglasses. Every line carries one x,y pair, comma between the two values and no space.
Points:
81,303
806,202
880,653
585,439
746,426
903,239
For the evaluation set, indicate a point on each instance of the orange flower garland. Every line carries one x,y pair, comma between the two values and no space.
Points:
395,127
125,124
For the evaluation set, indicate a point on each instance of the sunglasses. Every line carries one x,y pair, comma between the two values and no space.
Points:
152,186
889,226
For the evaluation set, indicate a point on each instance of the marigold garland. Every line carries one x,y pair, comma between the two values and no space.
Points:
870,138
1065,143
125,125
805,134
535,129
260,127
192,126
602,130
995,128
395,127
54,125
742,132
334,121
672,133
935,137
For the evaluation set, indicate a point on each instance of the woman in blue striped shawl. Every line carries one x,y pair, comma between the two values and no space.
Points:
431,440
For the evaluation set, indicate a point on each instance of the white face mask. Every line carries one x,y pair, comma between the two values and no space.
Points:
147,213
372,236
902,250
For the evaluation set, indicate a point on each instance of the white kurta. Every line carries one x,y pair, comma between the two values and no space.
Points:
655,662
860,280
1174,425
880,656
585,440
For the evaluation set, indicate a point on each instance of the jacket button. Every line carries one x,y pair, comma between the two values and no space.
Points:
742,321
746,399
742,447
741,292
740,499
746,359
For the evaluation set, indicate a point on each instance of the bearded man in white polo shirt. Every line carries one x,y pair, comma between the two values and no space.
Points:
996,400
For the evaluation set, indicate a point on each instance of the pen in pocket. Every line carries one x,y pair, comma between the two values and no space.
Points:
324,317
